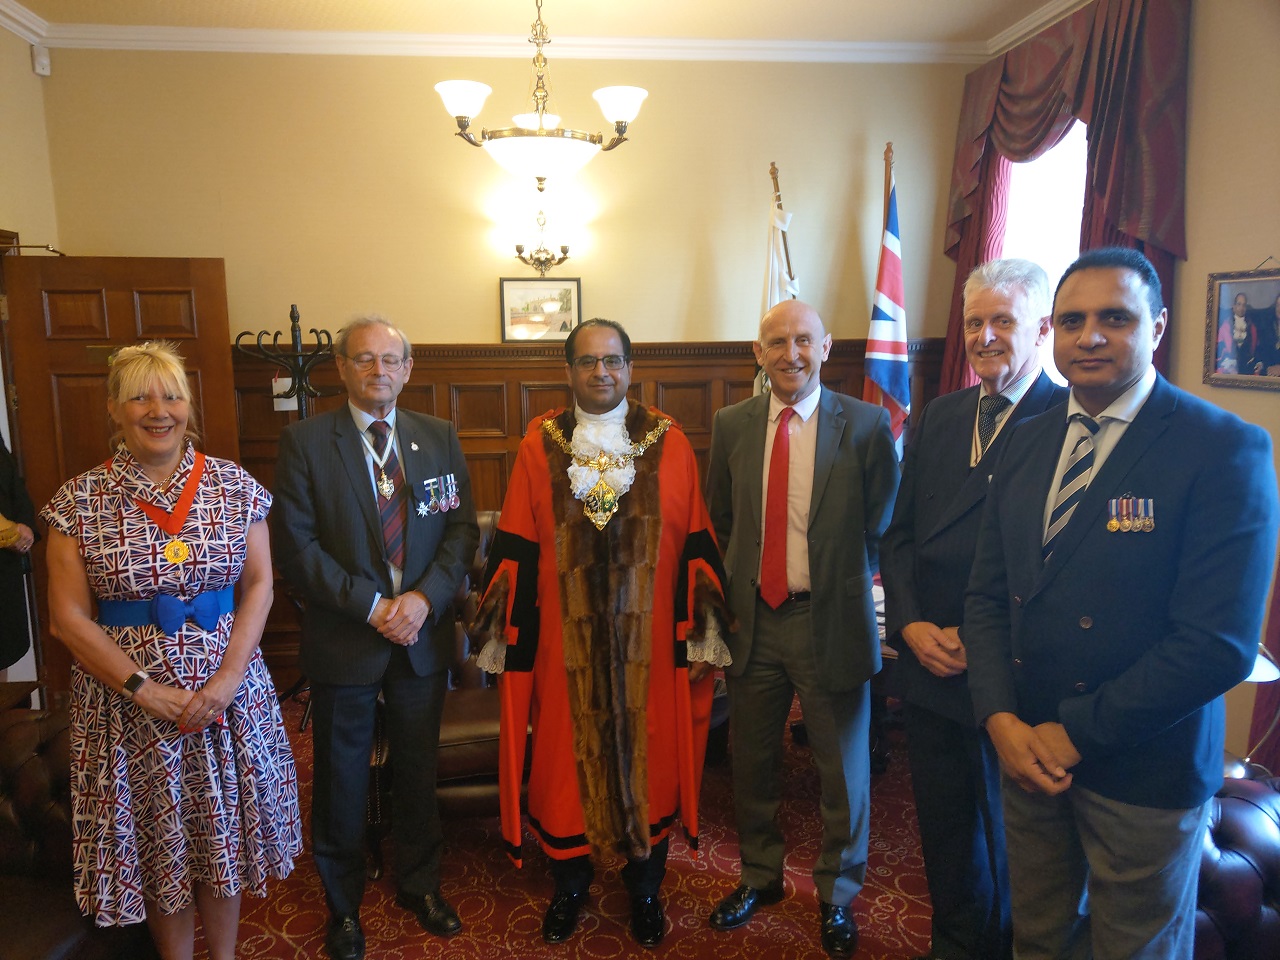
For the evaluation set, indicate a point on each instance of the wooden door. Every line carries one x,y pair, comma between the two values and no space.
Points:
66,315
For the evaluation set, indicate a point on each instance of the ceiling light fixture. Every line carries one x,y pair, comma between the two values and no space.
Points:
542,259
537,145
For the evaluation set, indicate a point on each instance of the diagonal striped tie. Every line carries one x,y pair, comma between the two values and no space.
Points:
394,510
1074,482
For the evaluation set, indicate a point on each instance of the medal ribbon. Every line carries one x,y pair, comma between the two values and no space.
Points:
171,522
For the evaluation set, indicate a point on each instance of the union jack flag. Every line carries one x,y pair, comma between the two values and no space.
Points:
885,381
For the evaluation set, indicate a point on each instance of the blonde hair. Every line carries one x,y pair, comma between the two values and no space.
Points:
132,370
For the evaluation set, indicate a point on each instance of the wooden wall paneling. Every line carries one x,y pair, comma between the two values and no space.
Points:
165,314
75,314
491,391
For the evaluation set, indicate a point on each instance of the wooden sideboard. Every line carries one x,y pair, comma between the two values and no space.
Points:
490,392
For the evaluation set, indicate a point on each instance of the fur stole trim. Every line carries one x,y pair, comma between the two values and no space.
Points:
606,584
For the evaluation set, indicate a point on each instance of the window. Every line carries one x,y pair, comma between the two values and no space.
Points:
1046,203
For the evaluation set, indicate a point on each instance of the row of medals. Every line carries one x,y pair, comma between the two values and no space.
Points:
441,493
1132,514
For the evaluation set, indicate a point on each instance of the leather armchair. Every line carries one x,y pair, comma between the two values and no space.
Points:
1238,909
38,913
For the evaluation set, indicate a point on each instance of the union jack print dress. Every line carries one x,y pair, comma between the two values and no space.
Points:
156,811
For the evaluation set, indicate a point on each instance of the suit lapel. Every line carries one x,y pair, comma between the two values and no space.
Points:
346,438
831,427
755,427
1152,421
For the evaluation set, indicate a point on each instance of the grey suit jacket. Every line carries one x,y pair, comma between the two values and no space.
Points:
328,542
855,478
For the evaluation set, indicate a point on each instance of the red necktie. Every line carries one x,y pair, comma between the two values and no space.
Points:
773,562
394,510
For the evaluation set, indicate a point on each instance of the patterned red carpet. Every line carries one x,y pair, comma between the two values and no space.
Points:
501,907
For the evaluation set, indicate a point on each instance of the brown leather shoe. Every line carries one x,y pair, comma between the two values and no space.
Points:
740,906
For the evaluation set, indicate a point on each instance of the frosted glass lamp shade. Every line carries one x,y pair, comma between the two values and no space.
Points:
463,98
541,156
529,121
620,104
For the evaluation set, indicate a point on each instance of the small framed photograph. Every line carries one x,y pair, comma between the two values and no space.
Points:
1242,330
539,309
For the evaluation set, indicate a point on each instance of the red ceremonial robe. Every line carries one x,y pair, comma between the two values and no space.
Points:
595,623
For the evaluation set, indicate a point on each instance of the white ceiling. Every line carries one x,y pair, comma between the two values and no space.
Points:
833,30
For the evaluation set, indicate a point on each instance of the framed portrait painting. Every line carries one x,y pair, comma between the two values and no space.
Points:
1242,330
539,308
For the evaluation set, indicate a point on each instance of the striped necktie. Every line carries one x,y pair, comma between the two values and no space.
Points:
1075,480
393,509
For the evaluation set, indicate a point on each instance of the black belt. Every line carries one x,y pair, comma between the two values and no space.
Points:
800,596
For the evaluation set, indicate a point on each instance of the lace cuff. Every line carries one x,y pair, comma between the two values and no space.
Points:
493,657
710,648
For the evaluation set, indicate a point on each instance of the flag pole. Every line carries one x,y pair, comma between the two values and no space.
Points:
888,175
777,199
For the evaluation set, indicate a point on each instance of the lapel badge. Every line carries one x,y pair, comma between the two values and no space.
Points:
413,445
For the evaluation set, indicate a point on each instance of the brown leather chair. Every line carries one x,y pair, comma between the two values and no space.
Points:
38,913
1238,908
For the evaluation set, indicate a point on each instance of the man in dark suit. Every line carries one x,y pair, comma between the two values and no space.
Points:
925,561
375,526
1125,556
799,552
15,562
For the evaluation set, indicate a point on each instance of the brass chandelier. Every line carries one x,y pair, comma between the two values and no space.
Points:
537,145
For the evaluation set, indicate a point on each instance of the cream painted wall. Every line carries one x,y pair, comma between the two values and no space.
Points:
26,190
1233,206
335,183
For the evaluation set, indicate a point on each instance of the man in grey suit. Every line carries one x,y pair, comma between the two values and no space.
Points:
925,561
374,524
800,488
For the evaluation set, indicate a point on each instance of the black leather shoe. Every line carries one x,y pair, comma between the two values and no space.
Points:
562,916
433,911
740,906
839,932
344,939
648,922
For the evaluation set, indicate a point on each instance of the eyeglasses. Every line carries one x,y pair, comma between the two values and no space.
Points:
611,362
588,364
390,362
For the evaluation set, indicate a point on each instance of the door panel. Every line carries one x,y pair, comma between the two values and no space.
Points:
66,316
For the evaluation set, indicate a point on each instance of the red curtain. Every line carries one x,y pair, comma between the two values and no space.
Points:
1118,65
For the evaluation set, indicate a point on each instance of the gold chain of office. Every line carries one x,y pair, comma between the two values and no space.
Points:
601,501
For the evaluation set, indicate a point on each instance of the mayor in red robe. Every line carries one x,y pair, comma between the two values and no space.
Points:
603,584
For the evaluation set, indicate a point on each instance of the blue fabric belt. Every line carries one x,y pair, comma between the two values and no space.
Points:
167,612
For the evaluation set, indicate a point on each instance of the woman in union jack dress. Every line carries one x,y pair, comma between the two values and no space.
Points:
183,784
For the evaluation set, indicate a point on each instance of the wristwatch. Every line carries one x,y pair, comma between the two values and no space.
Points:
132,684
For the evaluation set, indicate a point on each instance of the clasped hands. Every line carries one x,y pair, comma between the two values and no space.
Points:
191,710
400,618
938,649
1035,758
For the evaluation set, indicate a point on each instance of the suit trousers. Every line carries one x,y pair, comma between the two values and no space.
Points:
955,776
642,878
1095,879
343,738
782,664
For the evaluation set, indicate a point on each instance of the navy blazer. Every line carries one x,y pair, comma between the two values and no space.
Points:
927,552
1128,639
328,542
855,478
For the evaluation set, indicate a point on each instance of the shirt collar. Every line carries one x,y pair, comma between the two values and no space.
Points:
364,420
617,415
1124,407
804,408
1018,389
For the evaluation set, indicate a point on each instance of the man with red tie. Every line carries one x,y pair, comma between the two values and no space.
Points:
375,526
800,486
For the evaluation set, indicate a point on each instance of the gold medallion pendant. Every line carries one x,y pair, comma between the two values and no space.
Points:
600,503
385,486
176,551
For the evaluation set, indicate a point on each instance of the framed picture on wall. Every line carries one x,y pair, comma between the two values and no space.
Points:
1242,330
539,309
